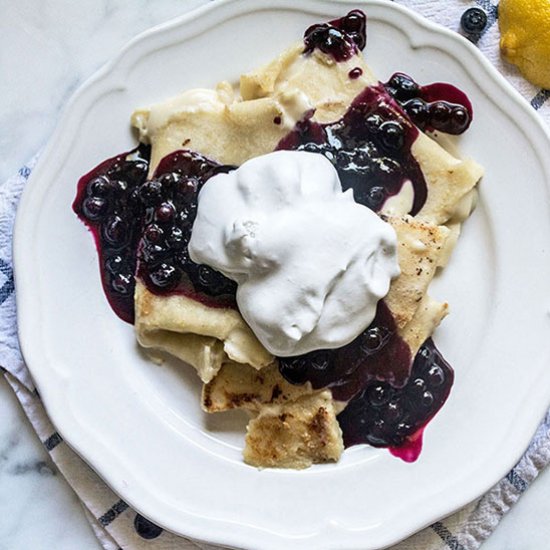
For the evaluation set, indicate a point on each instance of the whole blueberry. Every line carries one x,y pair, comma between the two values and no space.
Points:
122,283
440,115
427,399
186,217
151,192
115,231
378,394
385,167
460,119
165,276
392,135
94,208
334,38
418,111
403,87
214,281
153,253
373,122
99,187
436,376
153,233
187,188
165,213
320,360
473,21
393,412
119,187
115,264
136,170
354,21
374,199
372,338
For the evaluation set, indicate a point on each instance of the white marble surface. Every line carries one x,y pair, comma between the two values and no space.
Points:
46,50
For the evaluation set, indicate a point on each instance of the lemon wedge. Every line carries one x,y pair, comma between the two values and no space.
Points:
525,38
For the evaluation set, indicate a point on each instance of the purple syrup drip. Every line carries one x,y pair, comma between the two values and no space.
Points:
340,38
370,147
411,448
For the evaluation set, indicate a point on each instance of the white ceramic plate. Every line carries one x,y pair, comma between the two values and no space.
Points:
140,426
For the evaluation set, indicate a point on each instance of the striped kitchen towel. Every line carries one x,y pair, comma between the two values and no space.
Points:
114,522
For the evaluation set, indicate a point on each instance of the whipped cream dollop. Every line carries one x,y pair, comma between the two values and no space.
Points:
311,264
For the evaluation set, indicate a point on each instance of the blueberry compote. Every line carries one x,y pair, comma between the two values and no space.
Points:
169,202
340,38
437,106
370,147
106,202
385,416
391,397
378,353
144,225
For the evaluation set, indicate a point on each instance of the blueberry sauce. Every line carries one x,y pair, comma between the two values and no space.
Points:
105,202
169,201
370,147
355,73
378,353
437,106
385,416
340,38
144,226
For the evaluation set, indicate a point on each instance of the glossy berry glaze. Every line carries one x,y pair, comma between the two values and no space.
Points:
370,147
105,201
169,200
143,227
385,416
377,353
340,38
437,106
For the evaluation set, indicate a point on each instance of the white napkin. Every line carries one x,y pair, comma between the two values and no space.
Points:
116,525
